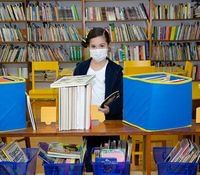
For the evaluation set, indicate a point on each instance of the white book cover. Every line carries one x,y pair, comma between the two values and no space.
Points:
69,81
32,118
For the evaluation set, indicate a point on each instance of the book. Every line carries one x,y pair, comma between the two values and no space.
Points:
110,99
72,153
14,153
70,81
32,118
42,154
60,150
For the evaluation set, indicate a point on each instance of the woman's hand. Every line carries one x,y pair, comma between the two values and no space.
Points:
105,110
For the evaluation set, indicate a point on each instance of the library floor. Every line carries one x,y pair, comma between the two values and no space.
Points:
136,166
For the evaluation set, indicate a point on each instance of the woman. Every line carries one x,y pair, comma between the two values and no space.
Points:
108,80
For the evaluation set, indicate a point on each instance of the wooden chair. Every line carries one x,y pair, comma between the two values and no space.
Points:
139,70
137,67
44,93
137,63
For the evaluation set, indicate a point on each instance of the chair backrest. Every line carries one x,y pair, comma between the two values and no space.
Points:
188,69
139,70
44,66
137,63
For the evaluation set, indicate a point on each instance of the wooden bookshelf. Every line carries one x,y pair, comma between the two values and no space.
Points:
83,23
173,47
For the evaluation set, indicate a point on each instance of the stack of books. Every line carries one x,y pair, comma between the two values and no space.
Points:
12,152
184,151
120,150
56,152
74,101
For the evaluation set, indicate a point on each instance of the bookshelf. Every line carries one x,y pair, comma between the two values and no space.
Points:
127,24
52,30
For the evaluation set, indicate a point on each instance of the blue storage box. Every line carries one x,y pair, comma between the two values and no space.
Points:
107,166
12,103
63,169
21,168
157,101
172,168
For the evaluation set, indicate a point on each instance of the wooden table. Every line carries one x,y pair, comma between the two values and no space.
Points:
103,129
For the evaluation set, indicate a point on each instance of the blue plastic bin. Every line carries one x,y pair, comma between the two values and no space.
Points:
157,105
105,166
26,168
63,169
172,168
13,104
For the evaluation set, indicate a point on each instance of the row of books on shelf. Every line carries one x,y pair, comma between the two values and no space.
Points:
56,152
178,32
124,32
57,11
116,13
51,11
11,53
174,11
14,71
10,32
176,51
129,52
53,32
47,53
12,12
12,152
127,32
75,100
184,151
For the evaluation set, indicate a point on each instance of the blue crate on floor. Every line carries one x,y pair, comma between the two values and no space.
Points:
26,168
172,168
105,166
157,105
63,169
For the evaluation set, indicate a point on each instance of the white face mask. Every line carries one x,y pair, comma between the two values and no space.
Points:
98,54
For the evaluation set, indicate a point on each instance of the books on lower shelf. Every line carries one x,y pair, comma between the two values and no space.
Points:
119,150
129,52
184,151
56,152
12,152
74,101
176,51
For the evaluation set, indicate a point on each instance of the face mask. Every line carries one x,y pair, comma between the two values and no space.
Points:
98,54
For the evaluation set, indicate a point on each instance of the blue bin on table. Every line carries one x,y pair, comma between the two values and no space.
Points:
12,103
152,104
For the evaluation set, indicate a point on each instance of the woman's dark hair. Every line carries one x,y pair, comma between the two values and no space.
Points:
95,32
